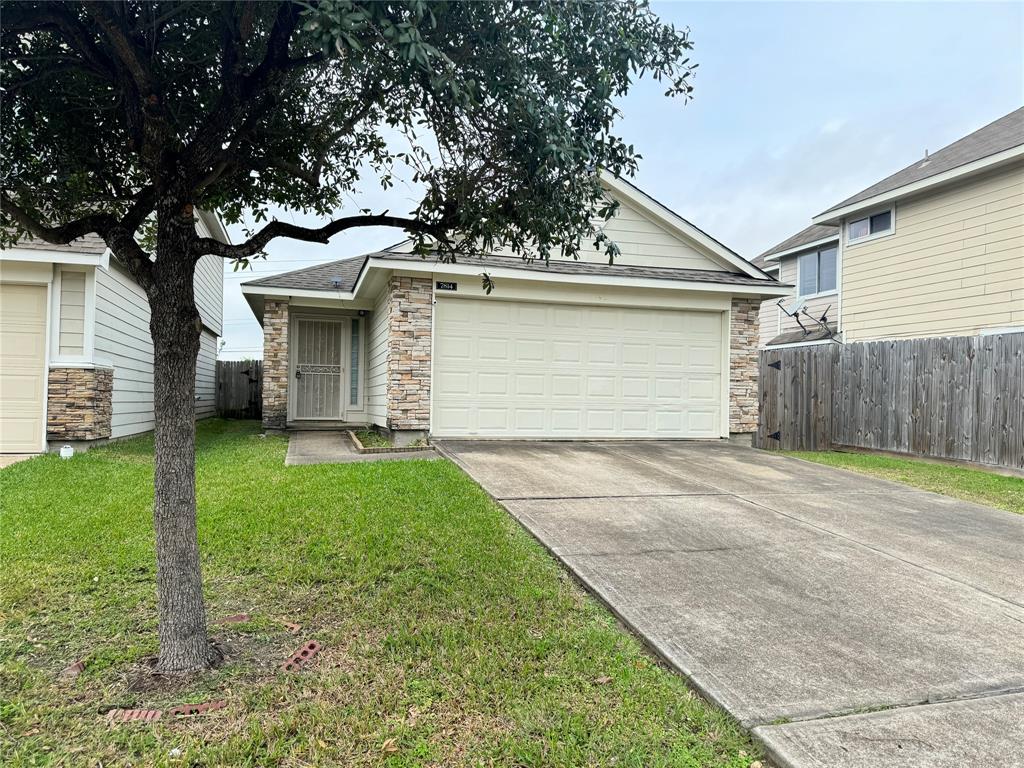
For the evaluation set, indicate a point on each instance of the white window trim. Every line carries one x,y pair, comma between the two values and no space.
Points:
874,235
55,358
831,291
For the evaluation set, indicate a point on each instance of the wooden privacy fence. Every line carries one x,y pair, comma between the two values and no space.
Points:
240,389
951,397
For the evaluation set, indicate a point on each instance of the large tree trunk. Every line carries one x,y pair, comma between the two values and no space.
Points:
175,327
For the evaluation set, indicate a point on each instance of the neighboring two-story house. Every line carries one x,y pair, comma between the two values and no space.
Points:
936,249
76,359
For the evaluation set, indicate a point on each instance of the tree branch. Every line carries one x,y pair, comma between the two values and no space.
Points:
255,244
100,223
124,48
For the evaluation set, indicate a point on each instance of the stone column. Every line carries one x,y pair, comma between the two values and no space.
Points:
410,309
743,365
275,364
79,403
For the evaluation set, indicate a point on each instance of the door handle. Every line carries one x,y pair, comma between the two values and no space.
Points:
298,374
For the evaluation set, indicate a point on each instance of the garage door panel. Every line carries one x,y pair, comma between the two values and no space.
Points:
493,419
637,354
452,347
636,387
529,351
602,353
22,367
704,357
566,386
566,352
575,371
702,422
703,390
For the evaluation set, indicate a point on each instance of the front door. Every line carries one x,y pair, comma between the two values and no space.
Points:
318,370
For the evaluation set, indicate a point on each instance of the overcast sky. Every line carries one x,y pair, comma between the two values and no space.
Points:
797,106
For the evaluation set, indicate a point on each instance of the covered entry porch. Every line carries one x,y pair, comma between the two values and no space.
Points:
326,366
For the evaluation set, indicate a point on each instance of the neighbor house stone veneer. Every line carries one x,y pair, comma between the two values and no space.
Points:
275,364
78,403
743,365
410,309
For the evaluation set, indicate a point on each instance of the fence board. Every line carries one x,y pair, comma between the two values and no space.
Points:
949,397
240,389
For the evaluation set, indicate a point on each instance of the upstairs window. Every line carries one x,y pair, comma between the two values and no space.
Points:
870,226
817,271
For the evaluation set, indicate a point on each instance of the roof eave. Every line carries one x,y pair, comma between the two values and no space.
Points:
773,288
801,248
835,215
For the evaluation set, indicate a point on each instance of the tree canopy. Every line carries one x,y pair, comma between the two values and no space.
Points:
123,118
500,113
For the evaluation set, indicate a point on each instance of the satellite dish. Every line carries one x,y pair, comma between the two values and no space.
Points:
336,283
795,307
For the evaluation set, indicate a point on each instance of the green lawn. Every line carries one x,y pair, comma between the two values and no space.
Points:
372,439
450,637
960,482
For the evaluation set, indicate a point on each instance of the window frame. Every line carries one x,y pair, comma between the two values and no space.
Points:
799,272
849,221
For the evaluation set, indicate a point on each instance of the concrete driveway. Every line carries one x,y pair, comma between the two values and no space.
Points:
849,621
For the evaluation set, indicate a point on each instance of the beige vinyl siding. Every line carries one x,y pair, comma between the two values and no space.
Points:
71,338
123,341
376,376
768,321
644,242
954,265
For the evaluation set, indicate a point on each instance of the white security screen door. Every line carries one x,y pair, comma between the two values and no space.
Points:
318,371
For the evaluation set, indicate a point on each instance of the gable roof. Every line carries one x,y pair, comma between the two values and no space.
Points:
678,225
816,234
318,278
989,142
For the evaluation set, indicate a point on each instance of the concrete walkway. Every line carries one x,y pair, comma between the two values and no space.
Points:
849,621
328,447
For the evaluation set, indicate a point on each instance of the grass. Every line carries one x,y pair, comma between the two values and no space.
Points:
372,439
975,485
449,636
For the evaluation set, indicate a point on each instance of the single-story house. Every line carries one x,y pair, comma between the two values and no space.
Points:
935,249
76,359
662,344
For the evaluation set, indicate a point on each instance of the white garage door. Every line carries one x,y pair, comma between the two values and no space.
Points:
517,369
22,367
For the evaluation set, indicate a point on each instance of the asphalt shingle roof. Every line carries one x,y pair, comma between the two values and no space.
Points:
812,234
320,277
91,243
1003,134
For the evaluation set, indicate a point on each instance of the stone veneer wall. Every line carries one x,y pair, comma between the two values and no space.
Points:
410,309
275,364
79,403
743,365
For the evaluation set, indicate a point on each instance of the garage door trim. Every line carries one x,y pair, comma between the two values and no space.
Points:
698,415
